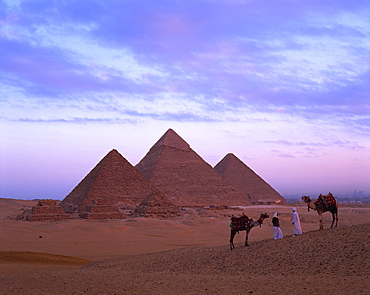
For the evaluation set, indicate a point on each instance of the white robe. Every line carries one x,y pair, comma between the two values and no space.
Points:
296,224
278,234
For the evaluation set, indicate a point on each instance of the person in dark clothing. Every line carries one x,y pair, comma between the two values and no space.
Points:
278,234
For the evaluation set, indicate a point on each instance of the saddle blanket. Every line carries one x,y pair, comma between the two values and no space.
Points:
240,223
325,201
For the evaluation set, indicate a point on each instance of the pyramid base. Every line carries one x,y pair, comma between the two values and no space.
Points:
101,216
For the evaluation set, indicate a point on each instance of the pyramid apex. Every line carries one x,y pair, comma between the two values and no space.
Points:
233,156
172,139
113,153
229,157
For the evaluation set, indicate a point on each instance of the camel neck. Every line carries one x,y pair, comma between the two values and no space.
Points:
259,222
311,205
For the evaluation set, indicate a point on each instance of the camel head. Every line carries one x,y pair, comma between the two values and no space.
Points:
306,199
262,217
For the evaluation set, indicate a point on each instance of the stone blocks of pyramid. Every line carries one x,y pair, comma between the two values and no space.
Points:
113,179
45,210
157,205
246,181
184,177
101,208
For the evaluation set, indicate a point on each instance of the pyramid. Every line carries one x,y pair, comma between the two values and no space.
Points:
114,179
45,210
246,181
184,177
157,205
101,208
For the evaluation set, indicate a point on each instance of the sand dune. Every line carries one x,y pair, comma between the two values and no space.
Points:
39,258
188,255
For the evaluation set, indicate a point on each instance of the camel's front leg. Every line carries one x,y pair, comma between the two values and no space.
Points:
232,235
321,223
246,236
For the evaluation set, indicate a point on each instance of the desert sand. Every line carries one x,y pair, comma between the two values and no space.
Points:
185,255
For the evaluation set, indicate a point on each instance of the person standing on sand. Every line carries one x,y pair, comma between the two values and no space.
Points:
278,234
296,223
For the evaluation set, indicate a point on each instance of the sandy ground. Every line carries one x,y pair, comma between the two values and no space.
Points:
186,255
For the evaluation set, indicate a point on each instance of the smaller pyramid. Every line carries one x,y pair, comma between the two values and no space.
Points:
45,210
101,208
113,179
157,205
246,181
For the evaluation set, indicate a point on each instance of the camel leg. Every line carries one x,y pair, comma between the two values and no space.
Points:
232,235
332,223
321,224
336,219
246,236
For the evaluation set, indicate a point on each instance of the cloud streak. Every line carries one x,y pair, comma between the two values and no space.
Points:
213,48
283,77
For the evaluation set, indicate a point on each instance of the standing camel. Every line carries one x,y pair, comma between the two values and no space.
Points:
323,204
244,223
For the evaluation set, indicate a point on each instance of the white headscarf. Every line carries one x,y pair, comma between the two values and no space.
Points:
276,214
294,209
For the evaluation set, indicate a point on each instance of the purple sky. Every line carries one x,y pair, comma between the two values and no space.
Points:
284,85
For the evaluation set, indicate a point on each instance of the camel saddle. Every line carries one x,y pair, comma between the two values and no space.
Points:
240,223
325,201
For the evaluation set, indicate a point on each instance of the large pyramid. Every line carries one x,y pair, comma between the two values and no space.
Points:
246,181
114,179
184,177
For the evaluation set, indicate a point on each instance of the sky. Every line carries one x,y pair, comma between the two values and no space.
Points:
282,84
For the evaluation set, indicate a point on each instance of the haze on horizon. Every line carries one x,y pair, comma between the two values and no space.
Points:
283,85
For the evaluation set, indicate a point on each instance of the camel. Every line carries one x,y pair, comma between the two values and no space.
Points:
322,205
244,223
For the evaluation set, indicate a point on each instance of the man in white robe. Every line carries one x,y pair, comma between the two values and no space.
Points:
296,222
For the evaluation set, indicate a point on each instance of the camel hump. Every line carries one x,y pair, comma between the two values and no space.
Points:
240,223
326,200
